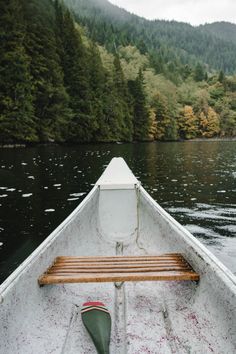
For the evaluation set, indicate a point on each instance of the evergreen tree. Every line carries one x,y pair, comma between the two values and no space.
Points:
141,116
165,117
186,71
199,74
97,80
123,100
17,121
50,98
119,79
160,107
75,62
221,77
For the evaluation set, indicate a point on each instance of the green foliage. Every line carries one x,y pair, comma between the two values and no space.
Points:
199,74
168,42
231,83
221,77
227,117
50,98
124,97
223,30
162,114
227,123
141,115
132,61
17,120
75,64
217,91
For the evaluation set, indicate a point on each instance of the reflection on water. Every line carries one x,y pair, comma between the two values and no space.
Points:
193,181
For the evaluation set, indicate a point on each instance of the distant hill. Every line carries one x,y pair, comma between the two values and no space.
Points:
99,7
223,30
213,45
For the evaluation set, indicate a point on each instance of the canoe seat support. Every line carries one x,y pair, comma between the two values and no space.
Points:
118,269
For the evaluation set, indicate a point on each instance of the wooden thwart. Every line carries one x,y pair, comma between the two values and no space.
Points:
118,269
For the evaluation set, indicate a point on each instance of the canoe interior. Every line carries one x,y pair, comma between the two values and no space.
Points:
147,317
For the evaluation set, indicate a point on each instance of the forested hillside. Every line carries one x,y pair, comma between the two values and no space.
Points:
112,26
223,30
103,74
53,86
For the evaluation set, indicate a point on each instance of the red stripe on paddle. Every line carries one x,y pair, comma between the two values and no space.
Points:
96,303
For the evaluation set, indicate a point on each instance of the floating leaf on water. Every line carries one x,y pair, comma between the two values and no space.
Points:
77,194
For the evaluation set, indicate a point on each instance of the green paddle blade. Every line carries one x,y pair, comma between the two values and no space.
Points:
97,321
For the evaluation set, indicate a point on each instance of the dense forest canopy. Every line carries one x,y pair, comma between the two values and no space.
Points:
94,72
223,30
214,45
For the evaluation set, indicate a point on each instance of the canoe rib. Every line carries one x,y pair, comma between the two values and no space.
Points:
118,269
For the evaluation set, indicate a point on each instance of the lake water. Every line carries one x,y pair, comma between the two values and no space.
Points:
194,181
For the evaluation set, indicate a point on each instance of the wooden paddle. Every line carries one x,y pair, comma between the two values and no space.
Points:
97,320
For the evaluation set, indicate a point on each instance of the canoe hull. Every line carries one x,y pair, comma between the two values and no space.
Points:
154,317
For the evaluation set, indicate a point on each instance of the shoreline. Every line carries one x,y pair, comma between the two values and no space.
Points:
29,145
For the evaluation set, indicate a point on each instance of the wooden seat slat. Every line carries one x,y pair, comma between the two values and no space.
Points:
117,277
117,258
107,264
116,265
118,269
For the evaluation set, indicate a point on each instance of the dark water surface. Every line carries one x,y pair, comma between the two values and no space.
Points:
194,181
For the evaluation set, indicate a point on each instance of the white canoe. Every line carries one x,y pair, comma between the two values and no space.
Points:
118,217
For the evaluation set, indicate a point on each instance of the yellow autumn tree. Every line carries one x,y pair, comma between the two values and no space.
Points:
213,123
209,123
188,123
203,123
